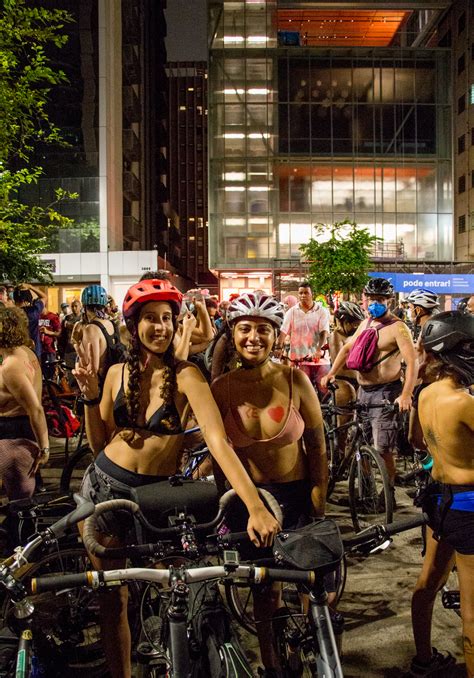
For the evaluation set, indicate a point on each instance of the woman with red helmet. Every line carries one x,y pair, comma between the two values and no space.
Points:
134,429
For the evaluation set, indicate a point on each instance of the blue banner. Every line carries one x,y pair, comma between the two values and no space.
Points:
440,283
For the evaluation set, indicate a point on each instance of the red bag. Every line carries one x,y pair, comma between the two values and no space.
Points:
62,423
362,354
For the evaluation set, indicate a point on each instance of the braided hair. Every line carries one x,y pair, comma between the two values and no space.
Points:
132,395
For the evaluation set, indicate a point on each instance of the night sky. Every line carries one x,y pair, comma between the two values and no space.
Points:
187,30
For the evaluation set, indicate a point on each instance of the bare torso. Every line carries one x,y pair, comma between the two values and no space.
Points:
391,368
336,341
31,368
447,418
148,453
260,409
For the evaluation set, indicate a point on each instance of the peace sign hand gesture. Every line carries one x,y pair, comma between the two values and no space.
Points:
86,376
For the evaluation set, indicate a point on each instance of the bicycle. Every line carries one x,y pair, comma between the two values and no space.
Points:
175,648
34,644
370,494
62,628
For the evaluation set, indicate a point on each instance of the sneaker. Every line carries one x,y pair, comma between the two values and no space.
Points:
438,662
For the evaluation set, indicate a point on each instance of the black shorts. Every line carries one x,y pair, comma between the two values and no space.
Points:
451,515
294,499
12,428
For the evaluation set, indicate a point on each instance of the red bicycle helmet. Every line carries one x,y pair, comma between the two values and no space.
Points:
151,290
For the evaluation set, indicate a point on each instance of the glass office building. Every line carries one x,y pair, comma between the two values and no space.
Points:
303,133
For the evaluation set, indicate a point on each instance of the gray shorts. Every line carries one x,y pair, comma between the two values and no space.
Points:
384,424
104,480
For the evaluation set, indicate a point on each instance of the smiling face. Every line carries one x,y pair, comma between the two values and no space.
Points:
155,326
254,339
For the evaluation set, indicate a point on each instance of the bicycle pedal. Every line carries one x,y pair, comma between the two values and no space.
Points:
451,600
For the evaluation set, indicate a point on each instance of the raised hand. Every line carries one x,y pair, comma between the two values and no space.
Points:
86,377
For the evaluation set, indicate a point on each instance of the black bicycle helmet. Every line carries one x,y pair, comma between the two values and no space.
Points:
380,287
450,336
445,331
349,312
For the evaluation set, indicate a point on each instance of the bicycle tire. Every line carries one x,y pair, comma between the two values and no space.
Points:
370,494
240,601
289,626
79,461
67,622
333,460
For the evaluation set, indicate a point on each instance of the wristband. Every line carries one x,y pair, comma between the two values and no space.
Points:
91,403
44,451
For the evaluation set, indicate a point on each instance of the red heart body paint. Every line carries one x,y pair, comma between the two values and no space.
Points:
276,413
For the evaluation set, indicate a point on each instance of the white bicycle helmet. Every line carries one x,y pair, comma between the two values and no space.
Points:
255,304
423,298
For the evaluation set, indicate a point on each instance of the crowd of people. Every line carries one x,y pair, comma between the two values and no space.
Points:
249,370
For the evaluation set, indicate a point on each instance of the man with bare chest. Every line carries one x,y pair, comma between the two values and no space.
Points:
384,380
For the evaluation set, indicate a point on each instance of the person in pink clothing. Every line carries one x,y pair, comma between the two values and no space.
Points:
306,325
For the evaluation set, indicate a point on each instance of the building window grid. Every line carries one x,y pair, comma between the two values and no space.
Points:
462,223
462,183
245,159
461,144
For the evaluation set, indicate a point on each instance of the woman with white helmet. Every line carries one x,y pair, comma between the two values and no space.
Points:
268,410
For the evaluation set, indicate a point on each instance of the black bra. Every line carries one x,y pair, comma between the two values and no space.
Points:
165,420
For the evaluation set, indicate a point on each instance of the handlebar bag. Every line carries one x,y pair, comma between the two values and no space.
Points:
159,500
317,546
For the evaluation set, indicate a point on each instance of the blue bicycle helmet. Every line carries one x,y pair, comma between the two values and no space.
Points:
94,295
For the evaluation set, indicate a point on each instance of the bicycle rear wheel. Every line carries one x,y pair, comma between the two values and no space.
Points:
370,494
73,471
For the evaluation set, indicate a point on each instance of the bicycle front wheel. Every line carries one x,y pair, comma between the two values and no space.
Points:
370,494
294,643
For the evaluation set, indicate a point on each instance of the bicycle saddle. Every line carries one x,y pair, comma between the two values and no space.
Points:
159,500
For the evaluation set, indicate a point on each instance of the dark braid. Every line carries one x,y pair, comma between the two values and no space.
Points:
132,395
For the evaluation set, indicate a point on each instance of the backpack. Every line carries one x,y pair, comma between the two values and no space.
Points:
62,423
362,354
116,351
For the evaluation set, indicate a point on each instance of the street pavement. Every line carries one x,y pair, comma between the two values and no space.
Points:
377,641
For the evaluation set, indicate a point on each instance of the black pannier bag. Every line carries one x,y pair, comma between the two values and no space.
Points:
317,546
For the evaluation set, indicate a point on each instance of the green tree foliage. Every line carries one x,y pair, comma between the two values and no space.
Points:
26,79
339,257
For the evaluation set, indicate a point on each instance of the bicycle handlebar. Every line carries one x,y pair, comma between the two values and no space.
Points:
378,532
91,525
96,579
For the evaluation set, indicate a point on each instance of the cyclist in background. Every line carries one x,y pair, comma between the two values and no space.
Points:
24,443
421,304
135,430
347,319
446,413
93,329
383,381
269,410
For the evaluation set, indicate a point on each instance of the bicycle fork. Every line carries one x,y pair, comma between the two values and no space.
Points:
328,662
177,618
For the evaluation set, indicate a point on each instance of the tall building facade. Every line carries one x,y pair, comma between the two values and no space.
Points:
319,114
113,114
187,177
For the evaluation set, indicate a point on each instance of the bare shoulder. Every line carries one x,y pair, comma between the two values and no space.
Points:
218,383
188,372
